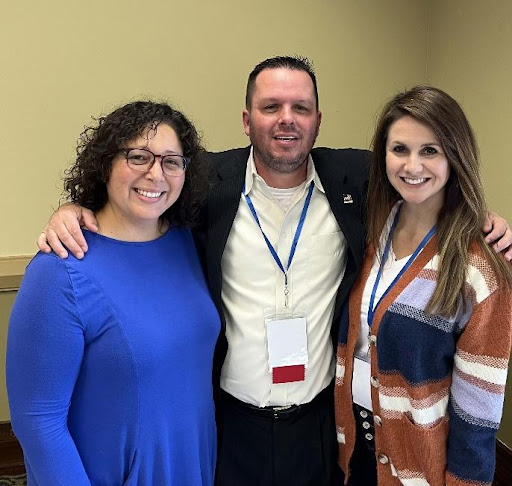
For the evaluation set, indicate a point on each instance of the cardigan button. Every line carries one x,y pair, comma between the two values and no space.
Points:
373,339
383,459
377,420
374,382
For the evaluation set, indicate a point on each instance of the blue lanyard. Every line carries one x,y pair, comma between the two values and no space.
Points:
426,239
298,231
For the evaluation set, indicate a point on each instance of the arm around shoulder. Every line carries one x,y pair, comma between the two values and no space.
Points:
64,230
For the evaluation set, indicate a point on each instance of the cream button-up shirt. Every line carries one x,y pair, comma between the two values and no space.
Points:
253,288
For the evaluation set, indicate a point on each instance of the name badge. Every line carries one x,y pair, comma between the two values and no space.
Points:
287,349
361,388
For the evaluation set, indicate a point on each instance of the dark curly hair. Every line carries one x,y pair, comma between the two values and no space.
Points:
85,182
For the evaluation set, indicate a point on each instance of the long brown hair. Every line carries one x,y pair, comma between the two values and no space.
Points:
461,218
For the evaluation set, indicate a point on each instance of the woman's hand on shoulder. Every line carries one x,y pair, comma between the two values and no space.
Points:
64,231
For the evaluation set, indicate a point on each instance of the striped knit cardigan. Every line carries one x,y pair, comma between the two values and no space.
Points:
437,385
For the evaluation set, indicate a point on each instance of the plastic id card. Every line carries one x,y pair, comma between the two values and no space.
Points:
287,349
361,388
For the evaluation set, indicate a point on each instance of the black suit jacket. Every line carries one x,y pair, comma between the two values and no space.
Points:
343,173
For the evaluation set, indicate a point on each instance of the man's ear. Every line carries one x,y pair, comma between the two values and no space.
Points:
246,120
318,121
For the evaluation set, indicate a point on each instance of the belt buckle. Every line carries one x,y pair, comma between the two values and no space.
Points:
276,410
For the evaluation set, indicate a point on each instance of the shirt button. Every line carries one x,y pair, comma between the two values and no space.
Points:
383,459
363,413
377,420
366,425
374,382
368,436
373,339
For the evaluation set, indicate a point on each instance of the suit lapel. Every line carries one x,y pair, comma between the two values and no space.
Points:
346,202
345,199
223,200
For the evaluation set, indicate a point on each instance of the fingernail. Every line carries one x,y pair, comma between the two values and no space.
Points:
79,255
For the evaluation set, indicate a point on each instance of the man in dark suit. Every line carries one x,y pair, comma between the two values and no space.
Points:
280,430
283,241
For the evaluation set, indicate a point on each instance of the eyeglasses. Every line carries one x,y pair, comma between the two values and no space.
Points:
142,160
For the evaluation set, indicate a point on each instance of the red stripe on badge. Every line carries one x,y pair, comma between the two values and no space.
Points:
288,374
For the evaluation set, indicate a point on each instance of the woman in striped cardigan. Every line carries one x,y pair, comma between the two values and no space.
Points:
425,338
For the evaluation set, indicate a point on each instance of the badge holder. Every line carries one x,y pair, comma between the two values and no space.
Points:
287,345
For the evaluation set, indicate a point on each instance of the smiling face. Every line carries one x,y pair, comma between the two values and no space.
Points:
137,200
416,165
283,121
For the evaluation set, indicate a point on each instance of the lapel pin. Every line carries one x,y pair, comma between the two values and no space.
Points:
347,199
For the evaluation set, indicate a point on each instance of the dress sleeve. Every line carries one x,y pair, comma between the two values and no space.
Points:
478,382
45,347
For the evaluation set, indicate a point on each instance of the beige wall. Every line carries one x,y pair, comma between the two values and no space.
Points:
470,57
64,61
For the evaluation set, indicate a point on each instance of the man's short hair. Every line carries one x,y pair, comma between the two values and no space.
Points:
289,62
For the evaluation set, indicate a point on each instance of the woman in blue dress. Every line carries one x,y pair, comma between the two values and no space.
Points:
109,357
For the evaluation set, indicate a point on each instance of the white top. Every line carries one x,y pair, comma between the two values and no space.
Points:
253,287
284,196
391,269
361,392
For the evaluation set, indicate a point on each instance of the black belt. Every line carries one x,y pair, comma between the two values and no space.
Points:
281,412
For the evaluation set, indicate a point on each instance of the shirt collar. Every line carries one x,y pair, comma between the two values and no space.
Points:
251,174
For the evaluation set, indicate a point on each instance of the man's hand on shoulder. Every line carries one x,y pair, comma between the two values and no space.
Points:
499,234
64,231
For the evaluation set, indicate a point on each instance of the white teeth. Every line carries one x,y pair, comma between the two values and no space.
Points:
286,138
148,194
414,181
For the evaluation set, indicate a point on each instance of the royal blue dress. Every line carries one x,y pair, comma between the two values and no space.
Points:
109,366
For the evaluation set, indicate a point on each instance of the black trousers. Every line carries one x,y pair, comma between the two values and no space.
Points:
363,465
260,447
